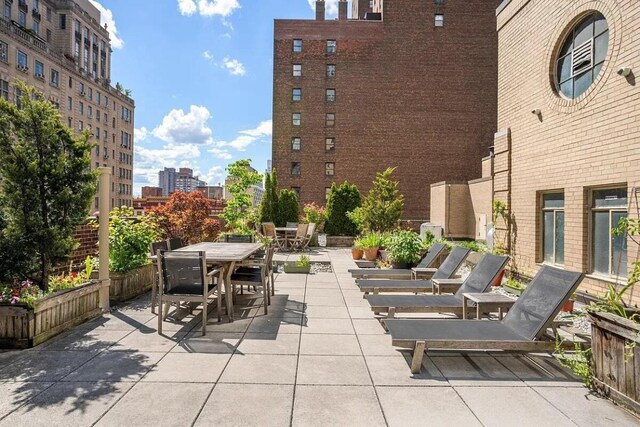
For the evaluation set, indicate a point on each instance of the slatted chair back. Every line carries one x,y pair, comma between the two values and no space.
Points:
269,229
182,272
535,309
162,245
301,233
483,274
311,229
292,224
452,263
175,243
238,238
434,252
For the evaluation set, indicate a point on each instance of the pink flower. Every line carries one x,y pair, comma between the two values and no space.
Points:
14,300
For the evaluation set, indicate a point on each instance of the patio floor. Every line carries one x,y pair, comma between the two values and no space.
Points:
318,358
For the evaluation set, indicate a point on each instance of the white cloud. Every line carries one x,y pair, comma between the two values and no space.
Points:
140,134
330,7
106,17
180,127
247,137
207,55
220,153
222,8
234,67
149,161
215,175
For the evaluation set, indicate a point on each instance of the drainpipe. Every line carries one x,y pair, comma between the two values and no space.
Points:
103,236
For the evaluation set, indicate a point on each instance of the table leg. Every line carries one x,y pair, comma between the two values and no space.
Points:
464,308
499,313
228,289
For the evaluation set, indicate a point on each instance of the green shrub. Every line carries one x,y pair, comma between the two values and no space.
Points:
371,240
303,261
130,239
405,247
288,209
382,207
342,198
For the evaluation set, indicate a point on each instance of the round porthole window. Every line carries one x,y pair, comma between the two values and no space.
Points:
582,55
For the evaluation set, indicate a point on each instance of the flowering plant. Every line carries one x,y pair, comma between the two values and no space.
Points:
24,292
314,213
62,282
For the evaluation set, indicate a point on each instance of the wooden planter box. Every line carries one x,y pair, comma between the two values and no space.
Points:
23,327
616,366
125,286
514,291
291,268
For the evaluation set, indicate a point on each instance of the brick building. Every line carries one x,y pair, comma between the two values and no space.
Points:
60,48
567,152
151,192
407,83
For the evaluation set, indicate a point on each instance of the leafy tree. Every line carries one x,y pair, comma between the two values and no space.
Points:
47,183
129,239
382,207
288,209
342,198
187,215
241,178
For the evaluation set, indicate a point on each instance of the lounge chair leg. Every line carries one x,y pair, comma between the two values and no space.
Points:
391,314
160,314
418,355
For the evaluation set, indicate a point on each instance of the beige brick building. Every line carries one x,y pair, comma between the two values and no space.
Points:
567,150
59,47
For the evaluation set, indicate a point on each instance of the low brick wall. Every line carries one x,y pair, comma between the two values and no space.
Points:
340,241
87,236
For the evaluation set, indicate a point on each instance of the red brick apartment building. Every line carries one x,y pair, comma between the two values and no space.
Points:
404,83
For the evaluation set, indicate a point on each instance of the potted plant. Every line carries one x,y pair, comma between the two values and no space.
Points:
302,266
370,244
567,307
513,286
385,241
356,250
404,249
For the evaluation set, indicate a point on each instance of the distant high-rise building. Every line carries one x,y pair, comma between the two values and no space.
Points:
214,192
60,48
167,180
186,182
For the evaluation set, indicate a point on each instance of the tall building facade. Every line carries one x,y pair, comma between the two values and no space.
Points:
567,152
167,180
60,48
404,83
186,182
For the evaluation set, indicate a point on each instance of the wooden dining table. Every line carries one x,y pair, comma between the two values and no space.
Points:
288,232
227,255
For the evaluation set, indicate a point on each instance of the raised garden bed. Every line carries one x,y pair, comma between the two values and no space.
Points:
24,327
125,286
615,346
291,267
512,290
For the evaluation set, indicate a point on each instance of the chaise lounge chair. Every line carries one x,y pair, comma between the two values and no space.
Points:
522,329
446,270
478,281
385,273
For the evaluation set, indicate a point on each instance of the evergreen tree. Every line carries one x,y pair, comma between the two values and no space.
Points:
383,206
289,210
342,199
266,213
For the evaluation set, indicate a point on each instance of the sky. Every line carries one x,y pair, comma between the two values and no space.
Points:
201,74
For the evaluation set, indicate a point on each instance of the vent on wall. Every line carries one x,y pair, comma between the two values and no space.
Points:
582,58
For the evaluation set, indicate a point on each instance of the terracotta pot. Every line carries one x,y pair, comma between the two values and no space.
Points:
371,254
568,306
498,280
356,253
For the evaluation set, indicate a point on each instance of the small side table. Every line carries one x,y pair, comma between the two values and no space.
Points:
446,285
486,302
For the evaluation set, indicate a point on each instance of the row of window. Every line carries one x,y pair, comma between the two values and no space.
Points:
329,144
608,250
329,168
330,70
296,95
331,46
121,202
329,119
22,15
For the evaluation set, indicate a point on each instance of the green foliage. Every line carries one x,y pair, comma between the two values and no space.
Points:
500,210
241,178
303,261
47,185
130,239
428,240
371,240
580,362
342,198
314,214
405,247
357,218
383,206
288,210
513,283
269,205
474,246
187,216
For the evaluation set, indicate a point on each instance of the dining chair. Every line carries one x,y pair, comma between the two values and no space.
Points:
269,230
260,273
301,235
162,245
238,238
292,224
184,277
175,243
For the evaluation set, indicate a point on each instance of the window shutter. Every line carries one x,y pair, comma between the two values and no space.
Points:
582,58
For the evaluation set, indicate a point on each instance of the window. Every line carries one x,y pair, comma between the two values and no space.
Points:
36,26
331,70
90,111
70,121
22,18
81,108
69,103
80,125
329,168
296,119
329,144
582,56
608,251
439,20
297,70
39,69
297,45
55,78
81,90
18,98
23,62
331,46
295,143
331,95
297,191
126,114
439,1
4,90
7,10
297,94
49,14
553,228
295,168
4,52
48,35
330,119
90,94
63,21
